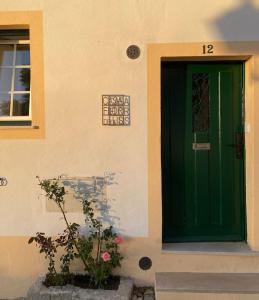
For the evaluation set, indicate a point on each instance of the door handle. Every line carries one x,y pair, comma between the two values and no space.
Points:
239,145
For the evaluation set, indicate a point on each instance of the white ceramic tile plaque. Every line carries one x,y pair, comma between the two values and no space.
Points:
116,110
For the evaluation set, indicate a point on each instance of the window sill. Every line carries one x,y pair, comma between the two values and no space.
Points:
210,248
19,127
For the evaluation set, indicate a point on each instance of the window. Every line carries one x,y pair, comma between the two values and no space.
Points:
15,83
22,113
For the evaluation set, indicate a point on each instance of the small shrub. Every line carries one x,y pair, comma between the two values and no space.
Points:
98,251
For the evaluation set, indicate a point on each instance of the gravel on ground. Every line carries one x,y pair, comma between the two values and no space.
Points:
143,293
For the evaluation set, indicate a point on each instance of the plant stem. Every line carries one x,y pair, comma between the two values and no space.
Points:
74,242
52,266
99,244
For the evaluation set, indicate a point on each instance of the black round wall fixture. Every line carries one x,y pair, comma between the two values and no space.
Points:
145,263
133,52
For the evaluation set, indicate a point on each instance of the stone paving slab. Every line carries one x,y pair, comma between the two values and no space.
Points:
143,293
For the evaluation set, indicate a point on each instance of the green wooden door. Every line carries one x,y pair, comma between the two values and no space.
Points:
202,152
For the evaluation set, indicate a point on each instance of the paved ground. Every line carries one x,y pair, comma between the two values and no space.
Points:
143,293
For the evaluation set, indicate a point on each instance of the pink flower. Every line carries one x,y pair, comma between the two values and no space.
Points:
119,240
106,256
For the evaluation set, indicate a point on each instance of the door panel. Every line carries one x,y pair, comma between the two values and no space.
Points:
202,173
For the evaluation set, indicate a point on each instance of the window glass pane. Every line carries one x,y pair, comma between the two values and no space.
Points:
200,102
6,55
22,55
21,104
5,79
4,105
22,79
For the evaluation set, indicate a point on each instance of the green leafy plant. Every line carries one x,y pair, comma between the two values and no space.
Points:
47,246
67,241
98,250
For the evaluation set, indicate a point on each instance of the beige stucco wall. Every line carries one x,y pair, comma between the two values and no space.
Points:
84,43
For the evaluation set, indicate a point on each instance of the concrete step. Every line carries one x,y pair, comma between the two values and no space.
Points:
207,286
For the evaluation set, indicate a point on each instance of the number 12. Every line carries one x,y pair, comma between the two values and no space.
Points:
208,49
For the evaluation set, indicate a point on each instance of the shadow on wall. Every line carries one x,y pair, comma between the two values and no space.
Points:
95,189
240,23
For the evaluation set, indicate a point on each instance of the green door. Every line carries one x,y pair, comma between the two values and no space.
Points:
202,152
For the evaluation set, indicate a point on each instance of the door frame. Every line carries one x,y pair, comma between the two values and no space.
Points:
248,52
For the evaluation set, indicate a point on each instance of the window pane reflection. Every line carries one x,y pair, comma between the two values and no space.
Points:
21,104
22,55
22,79
5,79
4,105
6,55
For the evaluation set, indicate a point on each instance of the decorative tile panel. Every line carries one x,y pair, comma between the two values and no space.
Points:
116,110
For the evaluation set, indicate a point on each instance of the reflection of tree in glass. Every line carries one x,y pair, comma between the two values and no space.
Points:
4,108
21,106
25,78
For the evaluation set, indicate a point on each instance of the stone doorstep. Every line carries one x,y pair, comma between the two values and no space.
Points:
218,283
210,248
68,292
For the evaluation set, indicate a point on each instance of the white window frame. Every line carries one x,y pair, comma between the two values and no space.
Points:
12,92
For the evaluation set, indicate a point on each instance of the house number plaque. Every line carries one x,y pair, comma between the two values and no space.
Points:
116,110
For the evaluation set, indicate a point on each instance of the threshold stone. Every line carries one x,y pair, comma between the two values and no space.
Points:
233,283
